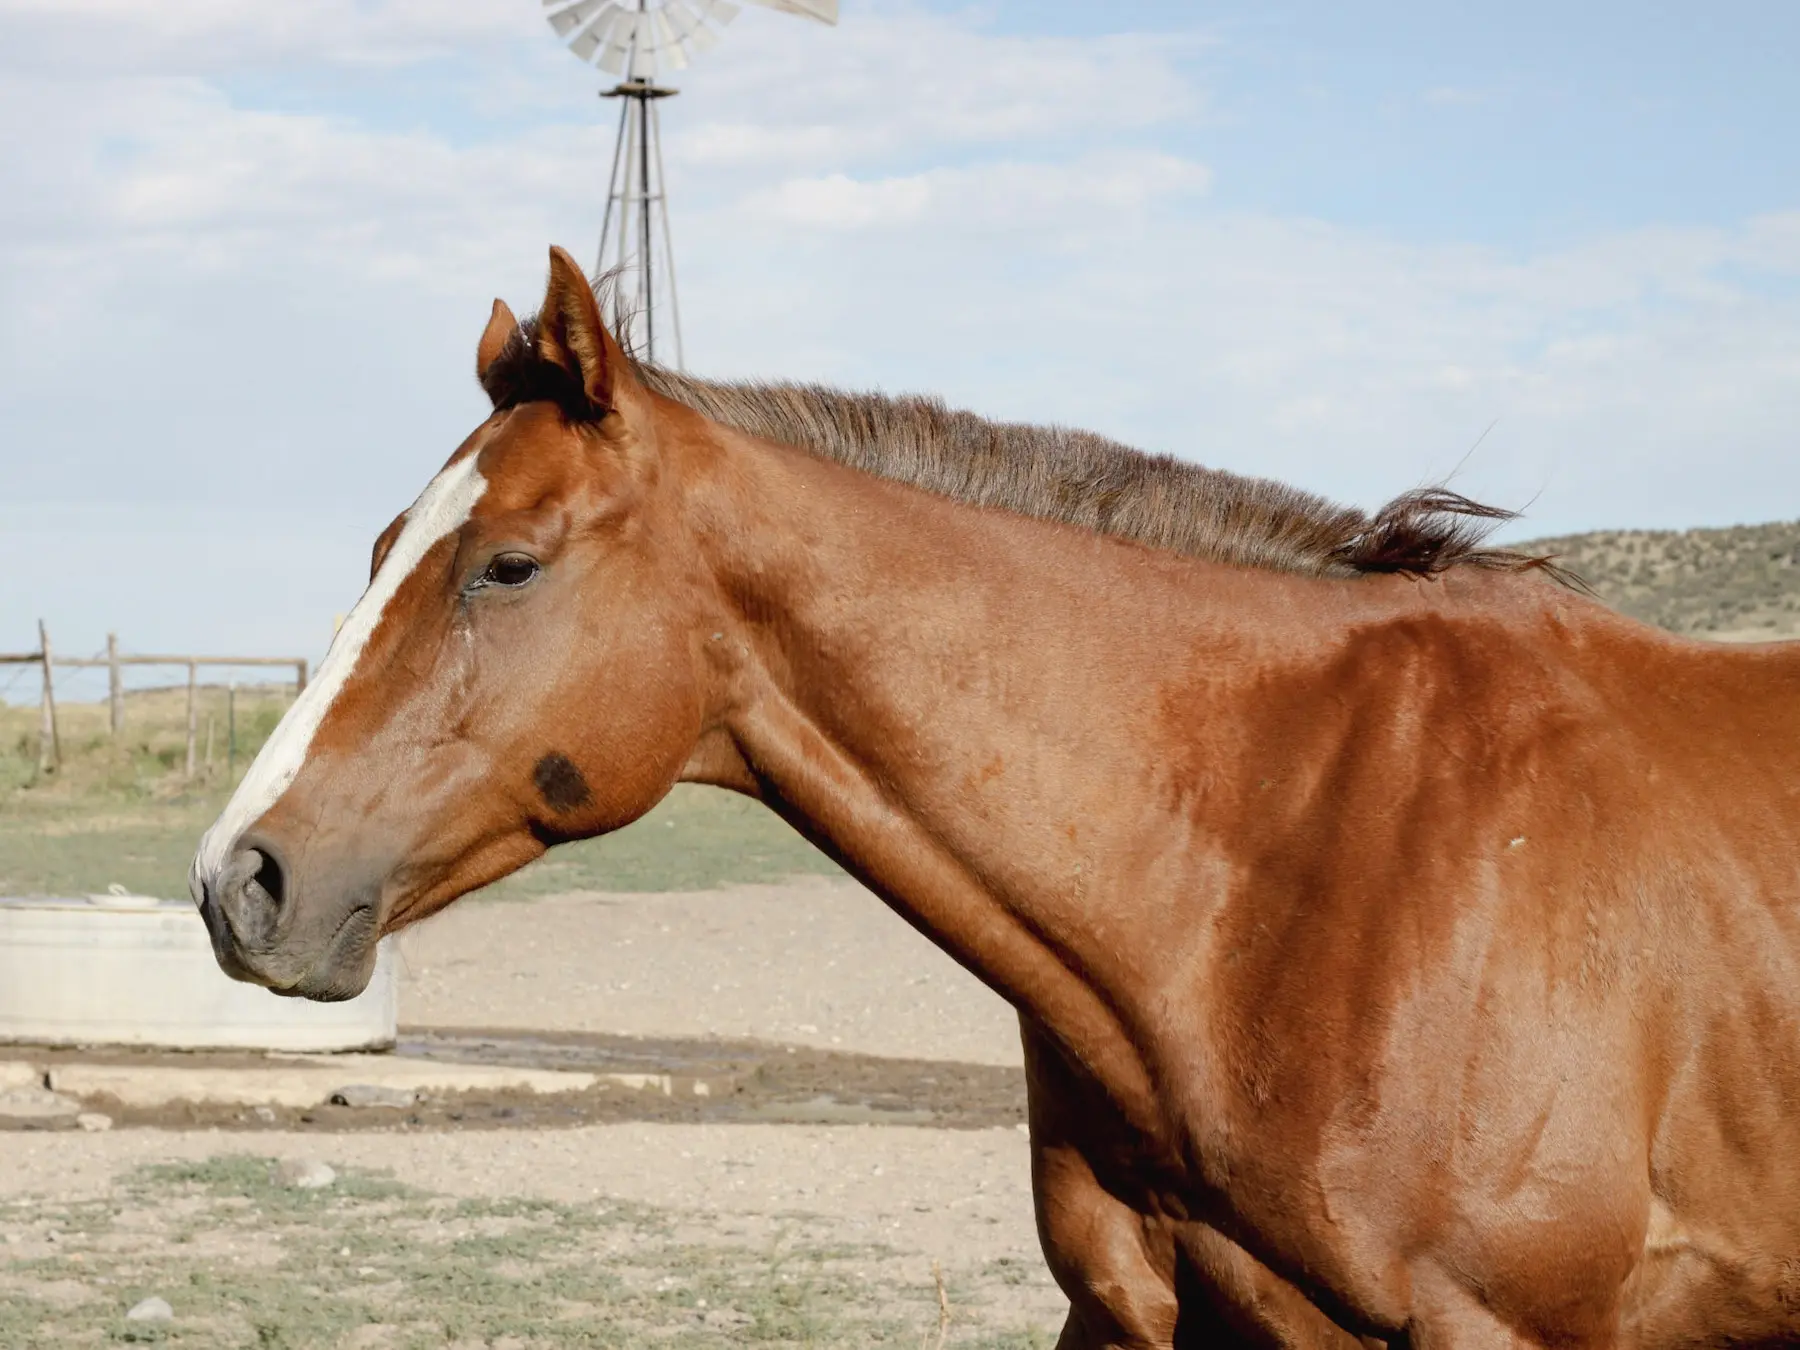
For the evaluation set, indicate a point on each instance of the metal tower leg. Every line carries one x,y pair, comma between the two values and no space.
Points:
644,285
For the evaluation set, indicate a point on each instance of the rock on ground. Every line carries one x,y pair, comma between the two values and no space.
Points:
304,1174
150,1310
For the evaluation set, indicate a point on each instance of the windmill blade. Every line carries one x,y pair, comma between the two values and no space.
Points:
621,42
568,20
590,39
825,11
634,40
666,46
682,21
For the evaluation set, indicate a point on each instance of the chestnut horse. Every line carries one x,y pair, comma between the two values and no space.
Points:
1407,947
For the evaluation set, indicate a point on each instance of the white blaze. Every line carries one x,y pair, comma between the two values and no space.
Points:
443,507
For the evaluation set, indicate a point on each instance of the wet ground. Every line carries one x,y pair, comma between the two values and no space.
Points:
691,1081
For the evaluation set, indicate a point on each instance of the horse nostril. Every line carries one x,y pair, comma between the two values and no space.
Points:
269,877
252,889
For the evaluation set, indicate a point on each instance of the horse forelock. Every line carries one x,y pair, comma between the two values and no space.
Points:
1065,475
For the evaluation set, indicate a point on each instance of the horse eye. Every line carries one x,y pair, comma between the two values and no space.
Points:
510,569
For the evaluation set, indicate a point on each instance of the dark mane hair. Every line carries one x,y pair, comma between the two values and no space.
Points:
1075,477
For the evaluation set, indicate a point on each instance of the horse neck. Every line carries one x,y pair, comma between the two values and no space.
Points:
951,700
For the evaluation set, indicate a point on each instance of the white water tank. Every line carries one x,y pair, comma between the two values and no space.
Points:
131,970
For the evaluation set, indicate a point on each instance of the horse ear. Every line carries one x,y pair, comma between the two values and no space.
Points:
500,328
570,332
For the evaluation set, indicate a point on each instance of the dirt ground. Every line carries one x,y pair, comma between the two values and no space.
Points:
719,1221
711,1230
814,962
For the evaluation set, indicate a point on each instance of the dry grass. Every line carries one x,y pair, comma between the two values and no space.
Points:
369,1263
148,759
1741,582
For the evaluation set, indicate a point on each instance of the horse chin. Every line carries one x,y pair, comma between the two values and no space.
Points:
336,986
340,971
344,969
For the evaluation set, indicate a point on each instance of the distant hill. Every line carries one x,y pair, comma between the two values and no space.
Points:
1740,584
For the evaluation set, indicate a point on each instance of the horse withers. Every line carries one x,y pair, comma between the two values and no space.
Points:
1407,947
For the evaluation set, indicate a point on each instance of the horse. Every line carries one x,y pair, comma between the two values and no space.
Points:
1405,945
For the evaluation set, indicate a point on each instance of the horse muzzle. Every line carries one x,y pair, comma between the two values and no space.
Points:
316,941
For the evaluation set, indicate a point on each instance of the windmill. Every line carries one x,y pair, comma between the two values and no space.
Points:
637,40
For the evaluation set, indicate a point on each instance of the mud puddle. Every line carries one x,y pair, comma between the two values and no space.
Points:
670,1080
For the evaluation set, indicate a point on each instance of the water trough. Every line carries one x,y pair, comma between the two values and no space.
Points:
122,969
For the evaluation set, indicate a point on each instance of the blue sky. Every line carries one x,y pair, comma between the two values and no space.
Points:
1516,126
246,250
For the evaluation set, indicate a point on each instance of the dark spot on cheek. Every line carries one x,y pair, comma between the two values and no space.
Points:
560,783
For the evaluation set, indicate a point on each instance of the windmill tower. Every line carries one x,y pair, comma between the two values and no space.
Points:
637,40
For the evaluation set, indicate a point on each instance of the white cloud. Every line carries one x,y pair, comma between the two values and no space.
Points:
893,80
1009,196
839,201
193,35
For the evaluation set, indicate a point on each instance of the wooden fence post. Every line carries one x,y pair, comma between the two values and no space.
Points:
193,713
115,685
231,733
299,678
49,741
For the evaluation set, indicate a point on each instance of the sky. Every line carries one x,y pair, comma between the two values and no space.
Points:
1550,253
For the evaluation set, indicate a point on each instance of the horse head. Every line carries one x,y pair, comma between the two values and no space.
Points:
522,670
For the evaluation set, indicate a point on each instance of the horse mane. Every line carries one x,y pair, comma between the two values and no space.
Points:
1073,477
